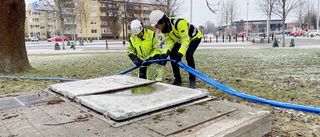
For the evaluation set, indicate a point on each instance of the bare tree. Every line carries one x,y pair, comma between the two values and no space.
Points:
12,46
267,7
309,10
214,8
299,13
84,12
209,26
229,14
60,11
170,7
114,15
282,9
132,10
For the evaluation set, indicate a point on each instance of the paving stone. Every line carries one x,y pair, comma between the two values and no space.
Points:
7,103
31,98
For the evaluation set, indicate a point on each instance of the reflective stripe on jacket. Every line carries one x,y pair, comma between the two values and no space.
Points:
182,32
144,47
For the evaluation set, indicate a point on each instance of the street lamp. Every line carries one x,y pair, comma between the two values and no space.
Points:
122,15
247,31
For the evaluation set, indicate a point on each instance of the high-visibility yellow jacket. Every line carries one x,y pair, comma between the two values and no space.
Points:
181,32
144,47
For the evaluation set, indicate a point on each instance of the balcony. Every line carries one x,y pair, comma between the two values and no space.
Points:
104,17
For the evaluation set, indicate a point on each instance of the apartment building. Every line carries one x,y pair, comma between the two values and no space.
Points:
86,19
40,21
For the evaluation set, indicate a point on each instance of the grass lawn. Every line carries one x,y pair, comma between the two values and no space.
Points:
284,74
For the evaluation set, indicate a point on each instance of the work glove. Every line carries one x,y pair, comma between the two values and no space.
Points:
148,63
179,56
135,59
163,56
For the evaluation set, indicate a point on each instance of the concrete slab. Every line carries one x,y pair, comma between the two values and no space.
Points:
97,85
125,104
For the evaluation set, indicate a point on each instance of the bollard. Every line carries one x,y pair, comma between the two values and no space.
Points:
72,46
57,46
242,38
229,38
236,36
292,43
81,43
222,38
217,38
275,44
106,45
123,43
210,39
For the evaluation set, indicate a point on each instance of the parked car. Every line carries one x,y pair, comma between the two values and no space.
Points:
298,33
33,39
313,32
242,34
58,39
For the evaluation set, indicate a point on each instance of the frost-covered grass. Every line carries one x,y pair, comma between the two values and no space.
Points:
284,74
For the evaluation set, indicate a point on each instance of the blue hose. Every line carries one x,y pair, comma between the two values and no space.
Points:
234,92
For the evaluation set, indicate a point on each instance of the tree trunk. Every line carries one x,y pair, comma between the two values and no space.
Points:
13,54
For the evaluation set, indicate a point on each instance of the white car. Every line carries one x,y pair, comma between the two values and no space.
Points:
313,32
33,39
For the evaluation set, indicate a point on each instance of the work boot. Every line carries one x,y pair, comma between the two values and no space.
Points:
177,82
192,84
158,79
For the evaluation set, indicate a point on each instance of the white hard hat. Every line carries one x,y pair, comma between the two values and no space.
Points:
155,16
136,26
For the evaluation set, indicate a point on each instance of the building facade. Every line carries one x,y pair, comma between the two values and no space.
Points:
86,19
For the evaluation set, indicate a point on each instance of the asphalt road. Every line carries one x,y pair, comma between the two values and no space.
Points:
101,45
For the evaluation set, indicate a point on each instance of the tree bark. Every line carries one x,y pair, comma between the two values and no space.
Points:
13,54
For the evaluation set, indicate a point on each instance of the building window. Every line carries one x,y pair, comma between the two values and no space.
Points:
79,31
105,30
93,13
78,22
146,8
104,22
42,20
92,4
93,31
93,22
42,27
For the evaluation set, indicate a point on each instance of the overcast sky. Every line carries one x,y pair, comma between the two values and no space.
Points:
201,13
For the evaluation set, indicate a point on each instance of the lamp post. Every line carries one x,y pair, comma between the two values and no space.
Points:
318,19
247,31
122,15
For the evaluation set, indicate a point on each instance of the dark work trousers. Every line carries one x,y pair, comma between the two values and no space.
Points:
189,57
143,72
